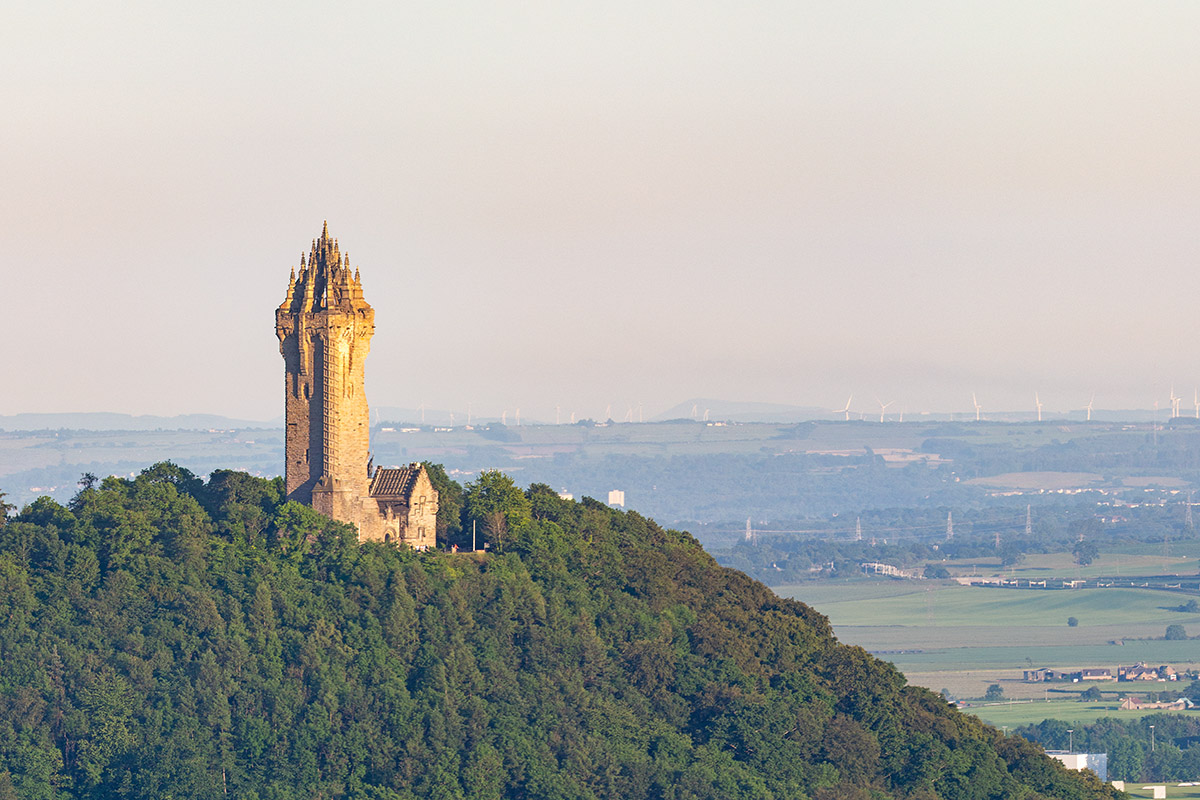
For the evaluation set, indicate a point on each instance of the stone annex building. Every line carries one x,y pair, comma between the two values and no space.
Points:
324,327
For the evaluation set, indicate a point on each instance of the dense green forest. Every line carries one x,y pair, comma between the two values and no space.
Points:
167,637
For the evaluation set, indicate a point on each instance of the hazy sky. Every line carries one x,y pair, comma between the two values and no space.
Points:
583,204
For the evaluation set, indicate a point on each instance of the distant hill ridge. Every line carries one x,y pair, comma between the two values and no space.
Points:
107,421
712,409
698,408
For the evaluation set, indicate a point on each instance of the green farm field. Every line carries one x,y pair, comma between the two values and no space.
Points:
661,439
1017,713
1137,561
943,635
1188,548
1140,613
1174,792
83,448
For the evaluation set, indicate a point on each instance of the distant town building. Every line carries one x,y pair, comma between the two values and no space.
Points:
1096,762
616,498
890,570
1142,672
1072,675
1134,704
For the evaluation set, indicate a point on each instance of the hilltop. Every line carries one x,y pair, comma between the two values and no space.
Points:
162,636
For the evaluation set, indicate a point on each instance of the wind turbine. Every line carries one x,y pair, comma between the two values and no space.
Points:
1196,401
977,406
1038,402
1174,402
1089,408
845,410
883,407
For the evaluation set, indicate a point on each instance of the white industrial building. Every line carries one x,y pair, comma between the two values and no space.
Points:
1096,762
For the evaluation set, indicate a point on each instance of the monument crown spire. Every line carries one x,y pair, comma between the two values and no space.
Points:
324,279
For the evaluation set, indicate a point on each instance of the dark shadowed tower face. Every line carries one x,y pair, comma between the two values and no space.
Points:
324,327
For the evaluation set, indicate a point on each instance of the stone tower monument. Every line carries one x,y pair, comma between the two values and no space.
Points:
324,327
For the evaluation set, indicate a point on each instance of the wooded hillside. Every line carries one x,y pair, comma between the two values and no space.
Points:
164,637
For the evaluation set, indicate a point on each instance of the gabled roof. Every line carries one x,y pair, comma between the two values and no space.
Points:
395,482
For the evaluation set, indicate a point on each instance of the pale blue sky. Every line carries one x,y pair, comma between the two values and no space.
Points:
583,204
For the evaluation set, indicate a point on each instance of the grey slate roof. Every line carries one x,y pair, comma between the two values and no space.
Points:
395,482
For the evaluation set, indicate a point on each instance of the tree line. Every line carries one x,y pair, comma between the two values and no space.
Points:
1157,747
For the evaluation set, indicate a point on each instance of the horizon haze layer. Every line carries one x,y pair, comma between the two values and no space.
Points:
696,409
